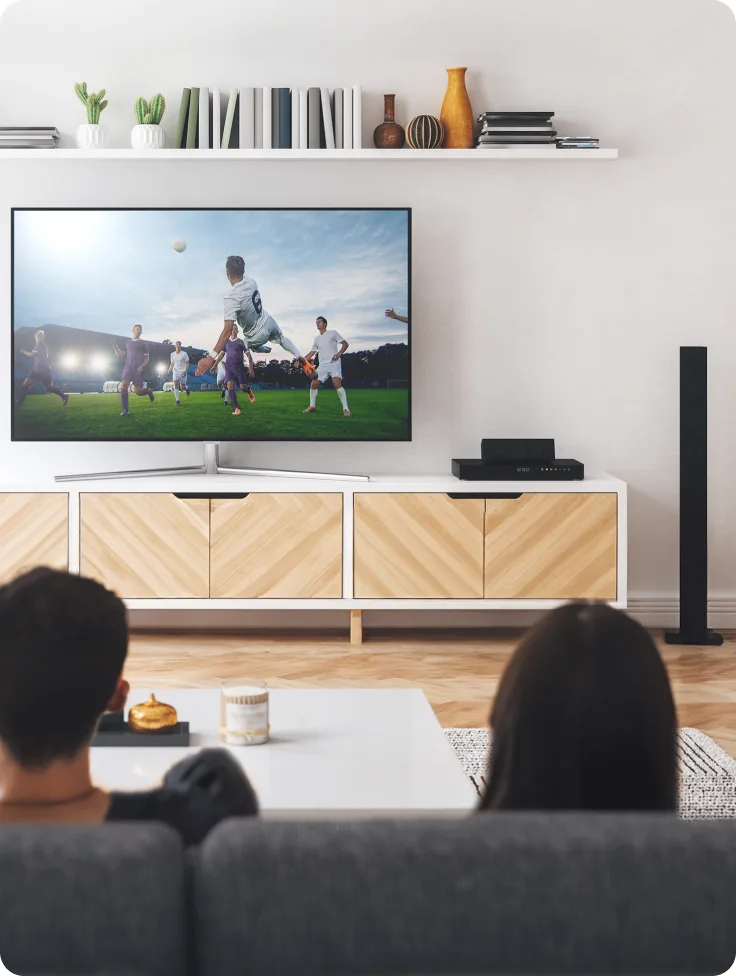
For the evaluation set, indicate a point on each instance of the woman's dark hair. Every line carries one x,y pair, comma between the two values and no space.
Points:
583,718
63,643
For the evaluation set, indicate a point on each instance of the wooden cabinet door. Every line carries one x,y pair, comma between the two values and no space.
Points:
146,546
418,546
34,529
558,546
281,545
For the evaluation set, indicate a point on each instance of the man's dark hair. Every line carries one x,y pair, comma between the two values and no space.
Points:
63,642
235,266
321,318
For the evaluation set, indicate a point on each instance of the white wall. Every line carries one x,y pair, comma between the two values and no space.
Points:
549,299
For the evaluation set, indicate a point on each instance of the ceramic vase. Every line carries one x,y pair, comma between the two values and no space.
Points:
424,132
457,113
389,134
92,137
148,137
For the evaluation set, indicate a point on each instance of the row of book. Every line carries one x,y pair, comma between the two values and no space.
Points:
528,130
270,118
28,137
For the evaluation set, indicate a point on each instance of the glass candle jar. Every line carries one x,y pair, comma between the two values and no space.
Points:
244,712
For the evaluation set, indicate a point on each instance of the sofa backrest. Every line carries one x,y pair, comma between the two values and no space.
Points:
489,894
107,899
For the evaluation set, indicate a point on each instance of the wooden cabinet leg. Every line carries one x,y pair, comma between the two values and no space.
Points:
356,626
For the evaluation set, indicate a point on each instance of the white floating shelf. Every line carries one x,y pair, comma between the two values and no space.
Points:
495,155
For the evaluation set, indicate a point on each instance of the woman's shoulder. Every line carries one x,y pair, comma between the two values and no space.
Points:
197,793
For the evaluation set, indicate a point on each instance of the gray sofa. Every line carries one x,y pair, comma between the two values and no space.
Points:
489,894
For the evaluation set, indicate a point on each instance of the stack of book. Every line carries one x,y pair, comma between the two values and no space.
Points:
270,118
512,130
578,142
28,137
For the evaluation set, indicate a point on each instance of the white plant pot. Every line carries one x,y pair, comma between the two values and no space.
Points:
92,137
148,137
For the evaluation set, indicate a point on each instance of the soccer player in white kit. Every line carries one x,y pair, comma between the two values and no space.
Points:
244,307
330,364
179,366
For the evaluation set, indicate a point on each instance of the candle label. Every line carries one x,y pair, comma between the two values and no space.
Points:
246,724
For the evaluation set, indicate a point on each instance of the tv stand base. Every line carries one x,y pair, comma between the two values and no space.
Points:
211,466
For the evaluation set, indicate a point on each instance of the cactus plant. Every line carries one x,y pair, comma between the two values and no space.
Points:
95,103
150,113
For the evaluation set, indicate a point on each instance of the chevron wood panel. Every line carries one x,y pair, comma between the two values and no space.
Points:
423,546
146,546
277,545
551,546
34,529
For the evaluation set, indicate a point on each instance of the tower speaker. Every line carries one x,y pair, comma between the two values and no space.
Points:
694,500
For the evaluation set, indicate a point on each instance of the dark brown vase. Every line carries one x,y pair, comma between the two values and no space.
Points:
388,135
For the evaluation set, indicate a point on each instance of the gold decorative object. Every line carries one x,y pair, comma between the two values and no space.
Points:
152,716
457,113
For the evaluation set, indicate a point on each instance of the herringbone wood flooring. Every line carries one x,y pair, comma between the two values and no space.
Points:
457,671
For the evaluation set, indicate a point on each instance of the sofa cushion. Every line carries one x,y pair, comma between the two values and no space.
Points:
92,899
495,893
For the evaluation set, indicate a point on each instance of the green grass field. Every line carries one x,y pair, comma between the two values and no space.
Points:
376,415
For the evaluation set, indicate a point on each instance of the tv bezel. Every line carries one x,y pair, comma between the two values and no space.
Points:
222,438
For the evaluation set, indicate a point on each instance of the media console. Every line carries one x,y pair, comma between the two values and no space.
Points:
238,542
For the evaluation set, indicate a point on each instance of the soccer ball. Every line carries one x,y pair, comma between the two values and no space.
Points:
179,244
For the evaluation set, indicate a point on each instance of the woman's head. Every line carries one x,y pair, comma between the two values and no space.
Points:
584,718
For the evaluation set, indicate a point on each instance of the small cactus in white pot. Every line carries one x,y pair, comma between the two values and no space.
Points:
93,135
149,133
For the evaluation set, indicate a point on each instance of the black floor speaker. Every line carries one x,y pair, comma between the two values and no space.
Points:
694,501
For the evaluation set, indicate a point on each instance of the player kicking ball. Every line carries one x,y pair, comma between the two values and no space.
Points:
41,372
179,365
244,307
136,360
330,364
235,354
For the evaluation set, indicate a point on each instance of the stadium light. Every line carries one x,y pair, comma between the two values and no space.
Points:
161,368
99,364
70,360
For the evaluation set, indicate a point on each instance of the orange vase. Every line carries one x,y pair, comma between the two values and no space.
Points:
457,113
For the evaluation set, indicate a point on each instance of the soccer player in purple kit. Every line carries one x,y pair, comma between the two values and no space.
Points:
235,352
41,372
136,360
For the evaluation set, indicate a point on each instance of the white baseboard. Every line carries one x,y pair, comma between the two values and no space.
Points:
663,611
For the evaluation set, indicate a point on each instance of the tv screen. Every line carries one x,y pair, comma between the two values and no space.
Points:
211,325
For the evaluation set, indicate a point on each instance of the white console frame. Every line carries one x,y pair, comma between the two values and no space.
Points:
214,486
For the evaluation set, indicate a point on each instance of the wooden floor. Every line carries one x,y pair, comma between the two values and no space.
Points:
458,672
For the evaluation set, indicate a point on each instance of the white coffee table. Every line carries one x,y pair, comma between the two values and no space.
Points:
346,753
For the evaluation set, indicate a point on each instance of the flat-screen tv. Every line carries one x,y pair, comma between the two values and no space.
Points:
211,324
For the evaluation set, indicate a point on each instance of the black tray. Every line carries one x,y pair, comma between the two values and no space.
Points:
122,735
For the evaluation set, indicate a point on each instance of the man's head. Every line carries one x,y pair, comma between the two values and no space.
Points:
62,648
321,324
40,335
234,331
137,330
177,345
234,269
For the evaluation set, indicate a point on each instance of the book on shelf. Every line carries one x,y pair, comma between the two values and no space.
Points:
284,118
516,118
502,147
24,144
347,118
204,118
216,117
357,117
247,119
192,119
329,132
275,119
294,118
520,129
518,140
267,140
303,120
315,118
339,117
181,124
227,129
258,118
